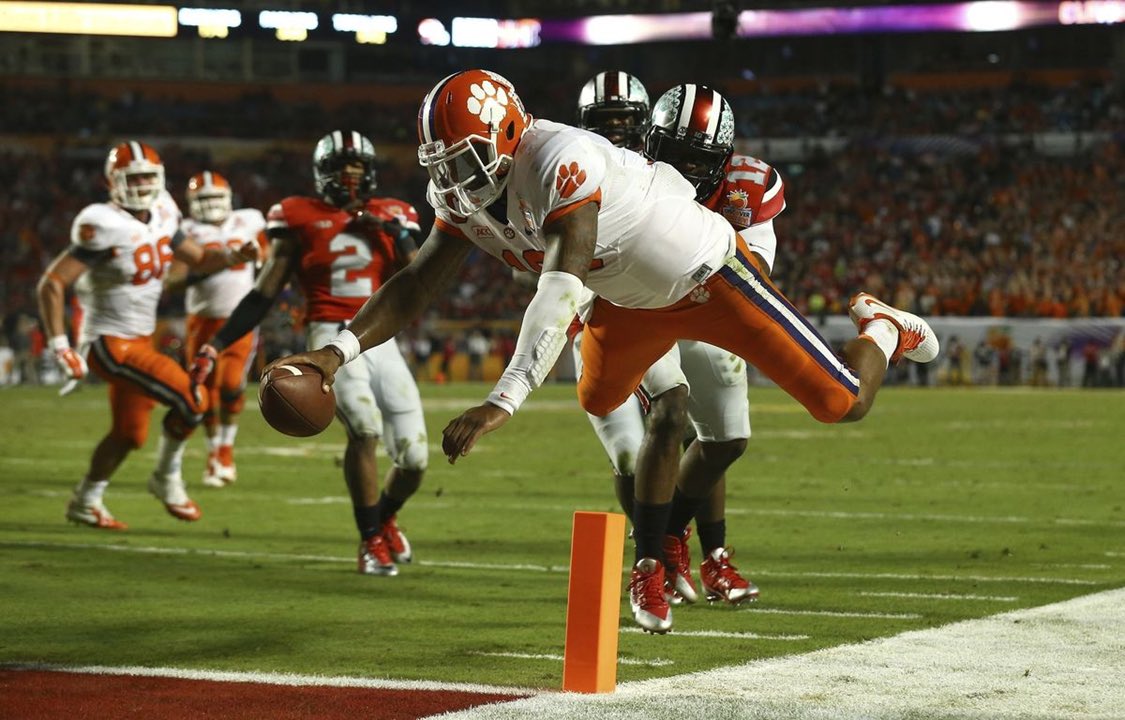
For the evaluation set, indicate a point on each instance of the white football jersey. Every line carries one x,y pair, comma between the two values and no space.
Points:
655,243
218,294
127,259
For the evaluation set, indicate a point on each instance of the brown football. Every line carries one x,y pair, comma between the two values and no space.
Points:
292,401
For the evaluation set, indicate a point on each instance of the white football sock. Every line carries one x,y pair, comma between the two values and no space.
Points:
213,440
884,334
90,492
227,433
169,456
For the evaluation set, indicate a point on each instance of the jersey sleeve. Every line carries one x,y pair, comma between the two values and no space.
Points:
91,235
773,199
276,218
572,174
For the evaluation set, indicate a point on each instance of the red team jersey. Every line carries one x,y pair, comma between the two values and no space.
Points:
343,260
751,193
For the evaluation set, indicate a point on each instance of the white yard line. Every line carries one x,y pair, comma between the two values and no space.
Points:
153,550
941,596
718,634
655,662
832,613
1059,662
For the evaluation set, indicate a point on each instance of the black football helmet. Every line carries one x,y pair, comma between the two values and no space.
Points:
333,154
615,105
693,131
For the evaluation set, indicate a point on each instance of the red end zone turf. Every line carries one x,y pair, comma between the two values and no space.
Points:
47,695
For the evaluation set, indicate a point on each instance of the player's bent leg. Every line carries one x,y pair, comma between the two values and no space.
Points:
230,398
404,436
157,375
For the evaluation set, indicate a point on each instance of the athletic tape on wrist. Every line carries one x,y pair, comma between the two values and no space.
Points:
348,345
59,343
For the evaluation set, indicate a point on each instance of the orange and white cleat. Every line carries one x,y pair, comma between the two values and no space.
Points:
95,514
916,340
169,489
681,586
722,581
220,470
375,557
397,543
647,599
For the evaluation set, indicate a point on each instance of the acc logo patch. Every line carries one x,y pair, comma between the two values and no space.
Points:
569,179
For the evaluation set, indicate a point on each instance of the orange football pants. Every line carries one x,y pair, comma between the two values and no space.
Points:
227,383
139,376
738,309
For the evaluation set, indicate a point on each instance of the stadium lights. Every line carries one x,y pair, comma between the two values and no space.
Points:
368,29
493,33
1093,12
288,25
210,22
89,19
431,31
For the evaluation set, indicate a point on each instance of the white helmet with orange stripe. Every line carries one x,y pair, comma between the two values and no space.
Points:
469,126
209,197
615,105
693,131
134,174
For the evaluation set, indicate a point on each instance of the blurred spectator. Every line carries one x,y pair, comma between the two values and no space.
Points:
1090,362
1037,355
1062,362
477,345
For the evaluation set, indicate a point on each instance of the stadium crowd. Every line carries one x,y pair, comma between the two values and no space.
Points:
989,232
830,110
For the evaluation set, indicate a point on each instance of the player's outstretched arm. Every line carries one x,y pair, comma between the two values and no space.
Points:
396,304
206,261
570,243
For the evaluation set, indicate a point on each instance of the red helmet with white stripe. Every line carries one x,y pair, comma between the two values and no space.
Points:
615,105
209,197
344,168
134,174
469,126
693,131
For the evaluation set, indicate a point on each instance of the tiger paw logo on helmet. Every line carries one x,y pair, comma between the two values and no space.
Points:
488,102
569,179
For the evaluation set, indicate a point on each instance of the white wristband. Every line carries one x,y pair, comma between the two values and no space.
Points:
510,392
59,343
348,345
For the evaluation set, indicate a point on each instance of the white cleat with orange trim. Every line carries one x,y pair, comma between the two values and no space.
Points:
916,340
94,514
170,490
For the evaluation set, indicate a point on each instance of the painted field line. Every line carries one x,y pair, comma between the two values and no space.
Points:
272,678
1057,662
655,662
719,634
241,554
952,578
831,613
941,596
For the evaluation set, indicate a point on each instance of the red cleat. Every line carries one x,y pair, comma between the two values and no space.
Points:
647,599
721,580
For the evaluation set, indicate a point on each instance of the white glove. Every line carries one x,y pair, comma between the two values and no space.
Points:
73,364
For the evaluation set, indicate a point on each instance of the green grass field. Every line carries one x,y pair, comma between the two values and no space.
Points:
943,505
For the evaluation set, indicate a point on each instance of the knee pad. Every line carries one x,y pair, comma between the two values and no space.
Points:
410,454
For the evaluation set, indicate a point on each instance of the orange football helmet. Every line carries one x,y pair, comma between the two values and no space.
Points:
469,126
209,197
134,174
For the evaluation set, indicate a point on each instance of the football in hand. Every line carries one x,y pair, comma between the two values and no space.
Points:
292,401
